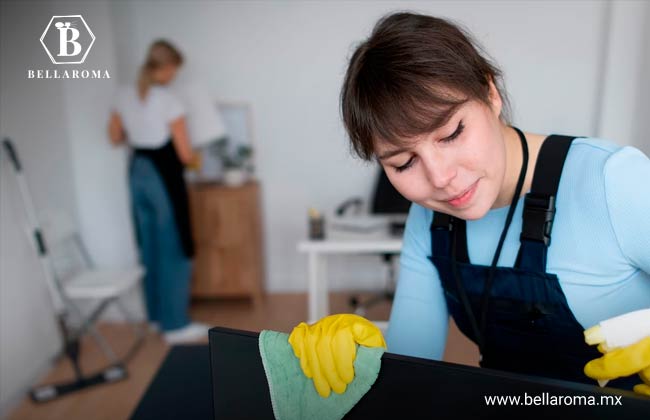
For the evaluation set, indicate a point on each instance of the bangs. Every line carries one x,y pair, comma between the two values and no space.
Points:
409,78
396,112
399,118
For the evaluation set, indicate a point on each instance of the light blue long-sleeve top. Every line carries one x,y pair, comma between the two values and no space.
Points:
600,247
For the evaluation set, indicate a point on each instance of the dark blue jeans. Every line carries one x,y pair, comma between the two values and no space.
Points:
167,280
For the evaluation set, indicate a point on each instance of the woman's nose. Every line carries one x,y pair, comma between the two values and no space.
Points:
440,172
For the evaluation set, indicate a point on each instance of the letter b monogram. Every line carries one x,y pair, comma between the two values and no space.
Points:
67,39
65,30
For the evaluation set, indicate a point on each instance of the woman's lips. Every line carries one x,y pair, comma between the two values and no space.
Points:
465,197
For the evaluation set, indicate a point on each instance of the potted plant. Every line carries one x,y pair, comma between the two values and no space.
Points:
235,161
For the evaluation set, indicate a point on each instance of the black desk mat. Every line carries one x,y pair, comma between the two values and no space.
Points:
181,389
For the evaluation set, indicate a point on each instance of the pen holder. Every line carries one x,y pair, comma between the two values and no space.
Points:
317,227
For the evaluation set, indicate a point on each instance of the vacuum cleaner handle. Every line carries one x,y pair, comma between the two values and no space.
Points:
9,147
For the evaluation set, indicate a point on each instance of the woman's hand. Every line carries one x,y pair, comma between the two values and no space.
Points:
182,143
195,162
116,130
327,349
624,361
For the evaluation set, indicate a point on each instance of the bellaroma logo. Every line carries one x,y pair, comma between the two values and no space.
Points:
67,40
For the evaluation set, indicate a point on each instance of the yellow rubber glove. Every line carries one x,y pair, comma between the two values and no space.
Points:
623,361
327,349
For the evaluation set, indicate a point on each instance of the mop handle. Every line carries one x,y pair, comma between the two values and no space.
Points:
55,293
12,154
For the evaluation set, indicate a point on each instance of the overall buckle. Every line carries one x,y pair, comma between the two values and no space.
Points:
539,212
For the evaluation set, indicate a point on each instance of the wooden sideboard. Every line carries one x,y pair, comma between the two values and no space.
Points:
227,230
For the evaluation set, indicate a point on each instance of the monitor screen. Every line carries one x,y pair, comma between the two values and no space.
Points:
386,199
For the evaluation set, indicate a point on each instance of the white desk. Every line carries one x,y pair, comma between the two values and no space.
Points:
339,242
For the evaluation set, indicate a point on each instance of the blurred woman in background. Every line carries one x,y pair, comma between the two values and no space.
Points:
151,120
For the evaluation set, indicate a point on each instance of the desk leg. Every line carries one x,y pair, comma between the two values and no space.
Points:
318,298
323,288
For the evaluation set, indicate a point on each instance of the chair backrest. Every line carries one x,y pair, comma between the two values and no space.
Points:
66,249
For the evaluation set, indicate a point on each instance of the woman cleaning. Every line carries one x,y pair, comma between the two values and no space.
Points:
525,239
150,120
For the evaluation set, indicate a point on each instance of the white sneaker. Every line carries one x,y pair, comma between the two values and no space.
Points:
192,332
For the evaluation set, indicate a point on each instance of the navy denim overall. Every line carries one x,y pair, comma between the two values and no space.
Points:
527,325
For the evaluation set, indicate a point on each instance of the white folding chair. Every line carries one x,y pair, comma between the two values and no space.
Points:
84,285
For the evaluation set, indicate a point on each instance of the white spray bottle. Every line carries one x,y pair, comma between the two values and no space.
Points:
619,331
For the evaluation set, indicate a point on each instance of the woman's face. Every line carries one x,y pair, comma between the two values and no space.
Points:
164,74
458,169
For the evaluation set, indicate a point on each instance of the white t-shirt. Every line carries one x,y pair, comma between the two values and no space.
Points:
147,122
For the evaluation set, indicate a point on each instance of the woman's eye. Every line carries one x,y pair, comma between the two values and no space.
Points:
405,166
455,134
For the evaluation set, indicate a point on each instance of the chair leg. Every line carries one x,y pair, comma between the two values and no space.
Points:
386,295
89,326
103,344
140,329
94,315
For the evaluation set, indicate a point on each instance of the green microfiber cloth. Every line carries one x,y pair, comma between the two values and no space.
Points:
294,396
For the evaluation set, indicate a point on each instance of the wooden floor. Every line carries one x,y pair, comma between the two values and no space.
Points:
279,312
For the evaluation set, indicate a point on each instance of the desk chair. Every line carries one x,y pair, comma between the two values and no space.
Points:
387,201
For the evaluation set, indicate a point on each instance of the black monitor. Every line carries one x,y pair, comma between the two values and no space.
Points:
409,387
386,199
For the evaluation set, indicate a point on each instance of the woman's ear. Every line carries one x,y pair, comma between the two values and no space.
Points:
496,103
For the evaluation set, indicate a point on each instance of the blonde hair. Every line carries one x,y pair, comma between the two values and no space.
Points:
161,53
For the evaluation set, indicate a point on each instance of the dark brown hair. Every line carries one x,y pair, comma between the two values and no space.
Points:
160,53
409,77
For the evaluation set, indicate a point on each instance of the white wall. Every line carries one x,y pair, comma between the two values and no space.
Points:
625,76
642,122
288,59
32,115
569,66
99,169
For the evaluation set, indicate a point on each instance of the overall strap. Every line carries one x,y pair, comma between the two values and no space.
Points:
443,227
539,203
